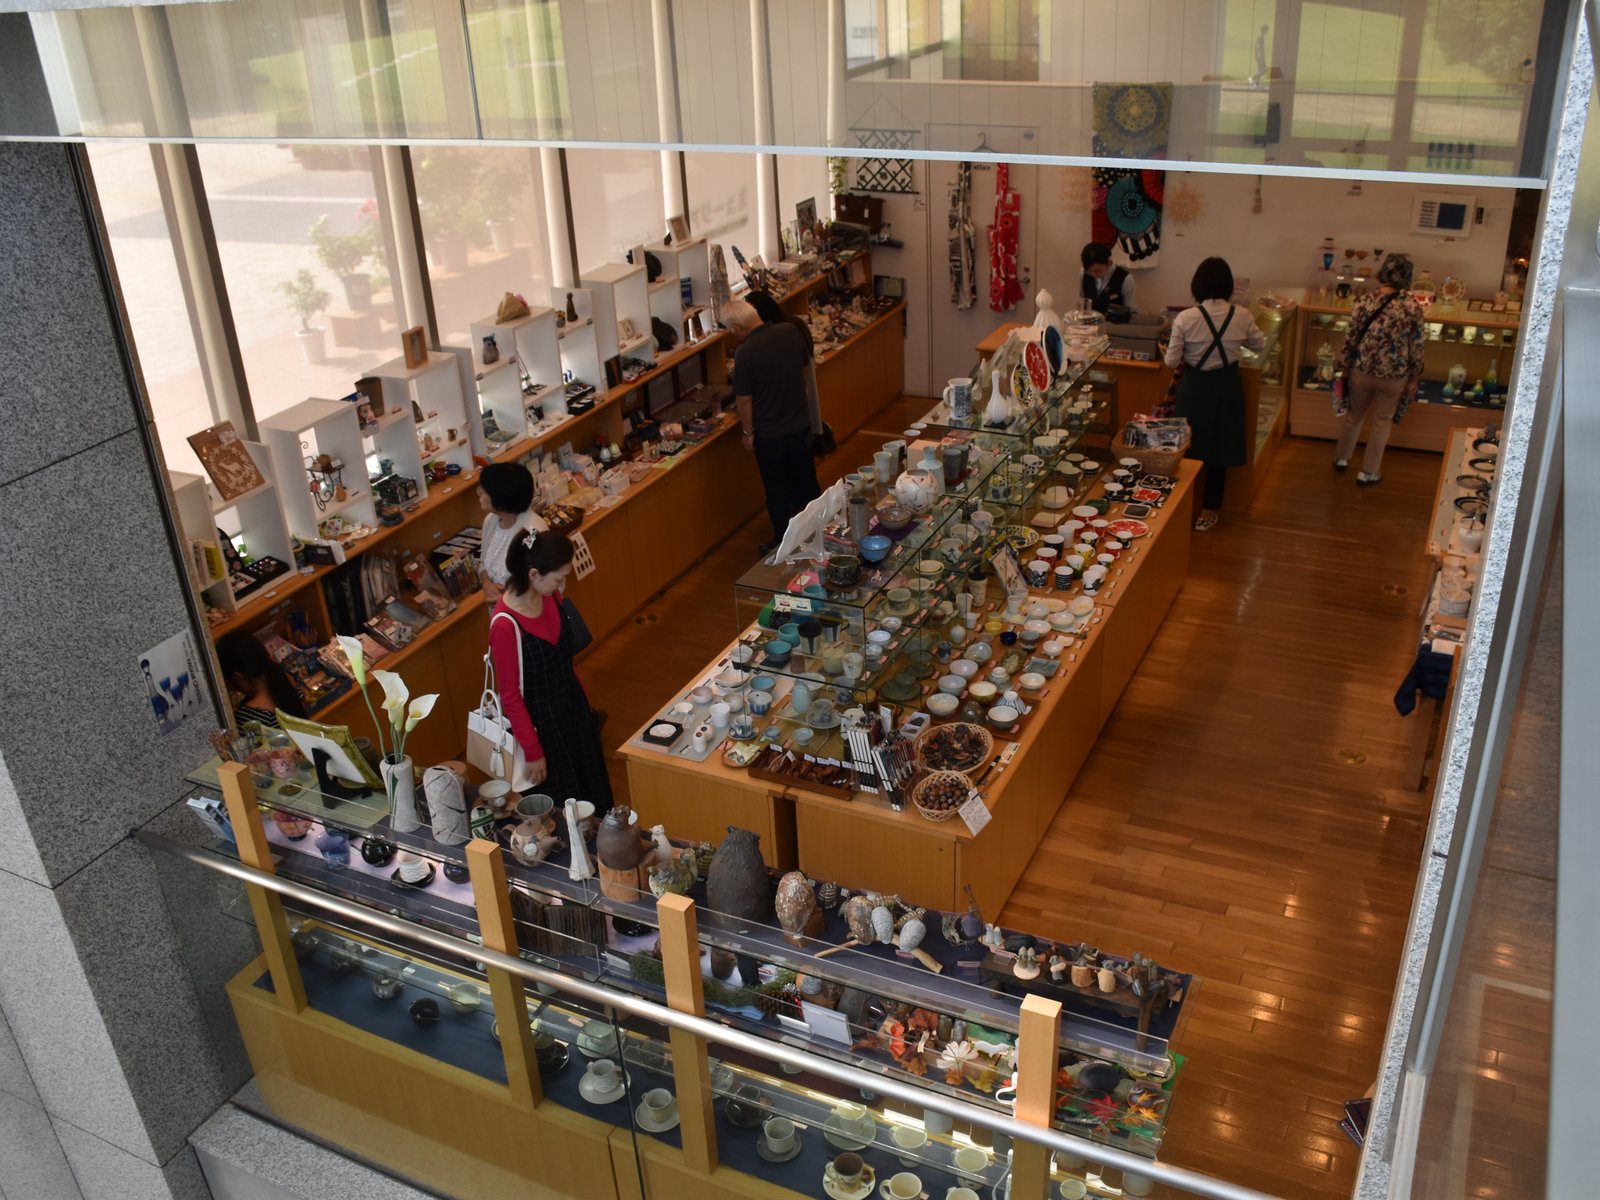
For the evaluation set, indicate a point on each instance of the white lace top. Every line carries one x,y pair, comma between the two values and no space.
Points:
497,540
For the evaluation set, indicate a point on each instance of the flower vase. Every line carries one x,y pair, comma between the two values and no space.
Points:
400,783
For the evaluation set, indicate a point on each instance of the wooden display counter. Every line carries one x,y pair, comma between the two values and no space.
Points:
864,842
861,375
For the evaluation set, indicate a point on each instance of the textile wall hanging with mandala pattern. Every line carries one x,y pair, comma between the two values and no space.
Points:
1130,121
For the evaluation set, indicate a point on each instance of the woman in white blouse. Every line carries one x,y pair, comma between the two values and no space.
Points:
1205,345
505,490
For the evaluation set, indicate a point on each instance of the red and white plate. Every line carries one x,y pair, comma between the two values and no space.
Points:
1126,528
1038,365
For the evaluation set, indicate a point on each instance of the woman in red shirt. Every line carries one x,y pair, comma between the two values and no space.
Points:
531,641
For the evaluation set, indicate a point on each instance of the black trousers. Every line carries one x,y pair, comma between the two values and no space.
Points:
1216,481
789,475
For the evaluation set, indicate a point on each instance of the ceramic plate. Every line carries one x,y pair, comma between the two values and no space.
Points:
1038,364
1021,385
835,1193
767,1155
1127,528
1055,349
1145,495
641,1114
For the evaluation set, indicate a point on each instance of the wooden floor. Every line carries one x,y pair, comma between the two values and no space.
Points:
1241,816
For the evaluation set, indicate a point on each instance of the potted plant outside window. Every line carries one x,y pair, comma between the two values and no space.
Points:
306,300
343,255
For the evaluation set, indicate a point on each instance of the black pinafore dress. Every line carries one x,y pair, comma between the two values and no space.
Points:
565,723
1213,403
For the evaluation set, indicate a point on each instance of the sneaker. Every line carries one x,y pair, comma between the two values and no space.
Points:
1206,520
1365,480
1341,464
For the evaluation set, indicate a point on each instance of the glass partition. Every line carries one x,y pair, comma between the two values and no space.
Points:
1413,87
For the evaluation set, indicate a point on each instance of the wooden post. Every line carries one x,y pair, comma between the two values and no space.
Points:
250,835
1037,1057
487,868
680,955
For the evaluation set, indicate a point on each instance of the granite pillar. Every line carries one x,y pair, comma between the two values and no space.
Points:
113,1047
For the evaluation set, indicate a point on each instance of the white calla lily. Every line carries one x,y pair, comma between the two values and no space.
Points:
420,708
395,695
358,663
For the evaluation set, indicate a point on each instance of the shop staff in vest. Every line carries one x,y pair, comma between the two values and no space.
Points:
769,390
531,639
1108,289
1206,340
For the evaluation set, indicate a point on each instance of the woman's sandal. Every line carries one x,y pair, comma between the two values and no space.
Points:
1206,520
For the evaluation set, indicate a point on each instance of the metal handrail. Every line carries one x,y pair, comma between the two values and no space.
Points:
1177,1177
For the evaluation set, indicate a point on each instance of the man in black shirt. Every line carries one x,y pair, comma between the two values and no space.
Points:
769,389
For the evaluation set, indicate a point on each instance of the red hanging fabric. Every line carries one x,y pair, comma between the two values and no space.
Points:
1005,289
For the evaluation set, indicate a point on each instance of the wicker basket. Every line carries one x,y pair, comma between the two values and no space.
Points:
937,814
1154,462
938,732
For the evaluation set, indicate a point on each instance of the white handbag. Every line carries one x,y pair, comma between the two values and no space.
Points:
492,747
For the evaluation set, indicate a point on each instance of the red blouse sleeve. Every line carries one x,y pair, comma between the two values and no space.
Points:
505,637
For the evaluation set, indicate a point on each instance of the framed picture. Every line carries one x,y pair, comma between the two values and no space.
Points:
678,227
227,460
805,213
625,330
415,344
345,761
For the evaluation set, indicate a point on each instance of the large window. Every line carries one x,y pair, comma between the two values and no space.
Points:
147,271
616,202
483,222
802,177
307,266
722,203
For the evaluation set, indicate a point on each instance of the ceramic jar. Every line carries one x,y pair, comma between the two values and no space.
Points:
618,844
843,571
737,882
917,489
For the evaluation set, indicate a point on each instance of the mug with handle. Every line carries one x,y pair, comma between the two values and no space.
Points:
958,396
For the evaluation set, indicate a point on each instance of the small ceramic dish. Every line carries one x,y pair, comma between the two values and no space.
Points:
1030,681
983,690
881,637
931,567
892,624
943,704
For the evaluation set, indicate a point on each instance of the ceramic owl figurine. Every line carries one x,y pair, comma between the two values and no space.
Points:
737,882
797,909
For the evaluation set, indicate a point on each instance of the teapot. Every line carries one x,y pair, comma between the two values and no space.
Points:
618,844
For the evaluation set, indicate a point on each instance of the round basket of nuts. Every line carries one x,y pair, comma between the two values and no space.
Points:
940,794
956,747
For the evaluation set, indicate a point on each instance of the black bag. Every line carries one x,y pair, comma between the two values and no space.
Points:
581,637
824,443
666,337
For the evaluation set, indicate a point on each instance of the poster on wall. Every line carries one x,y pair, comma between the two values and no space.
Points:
1130,121
172,681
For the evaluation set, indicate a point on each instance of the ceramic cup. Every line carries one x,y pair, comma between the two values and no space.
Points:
659,1105
935,1122
760,702
803,736
903,1186
700,697
603,1076
1137,1185
720,712
779,1134
983,521
909,1139
495,794
1038,572
848,1172
961,1193
1069,1162
1063,578
971,1160
884,463
1074,1189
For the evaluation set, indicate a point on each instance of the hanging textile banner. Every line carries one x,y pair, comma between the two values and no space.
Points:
1130,121
963,248
1004,287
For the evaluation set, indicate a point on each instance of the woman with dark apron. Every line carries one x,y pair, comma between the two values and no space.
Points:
1205,345
531,639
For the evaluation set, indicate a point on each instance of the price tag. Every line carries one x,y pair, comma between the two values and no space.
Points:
788,603
975,813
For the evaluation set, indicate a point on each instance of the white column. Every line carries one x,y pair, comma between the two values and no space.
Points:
836,121
563,271
407,266
216,364
667,107
768,240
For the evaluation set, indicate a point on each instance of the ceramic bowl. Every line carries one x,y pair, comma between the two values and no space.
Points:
1003,716
700,697
943,704
892,624
983,691
760,702
894,517
980,652
778,651
1063,621
931,567
964,667
1033,631
1080,607
1054,648
732,680
880,637
1030,681
803,736
953,684
875,547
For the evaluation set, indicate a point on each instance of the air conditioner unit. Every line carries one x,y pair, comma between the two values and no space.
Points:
1443,215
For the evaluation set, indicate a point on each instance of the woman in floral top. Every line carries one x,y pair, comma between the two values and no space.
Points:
1382,361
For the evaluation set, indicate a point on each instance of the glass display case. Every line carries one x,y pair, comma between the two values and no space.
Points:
937,1004
891,593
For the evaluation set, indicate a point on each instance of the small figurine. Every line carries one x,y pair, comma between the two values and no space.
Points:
1058,967
993,938
1027,964
572,309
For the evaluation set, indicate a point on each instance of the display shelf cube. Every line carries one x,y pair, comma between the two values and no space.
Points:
578,343
529,343
202,551
620,292
689,261
311,428
435,388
